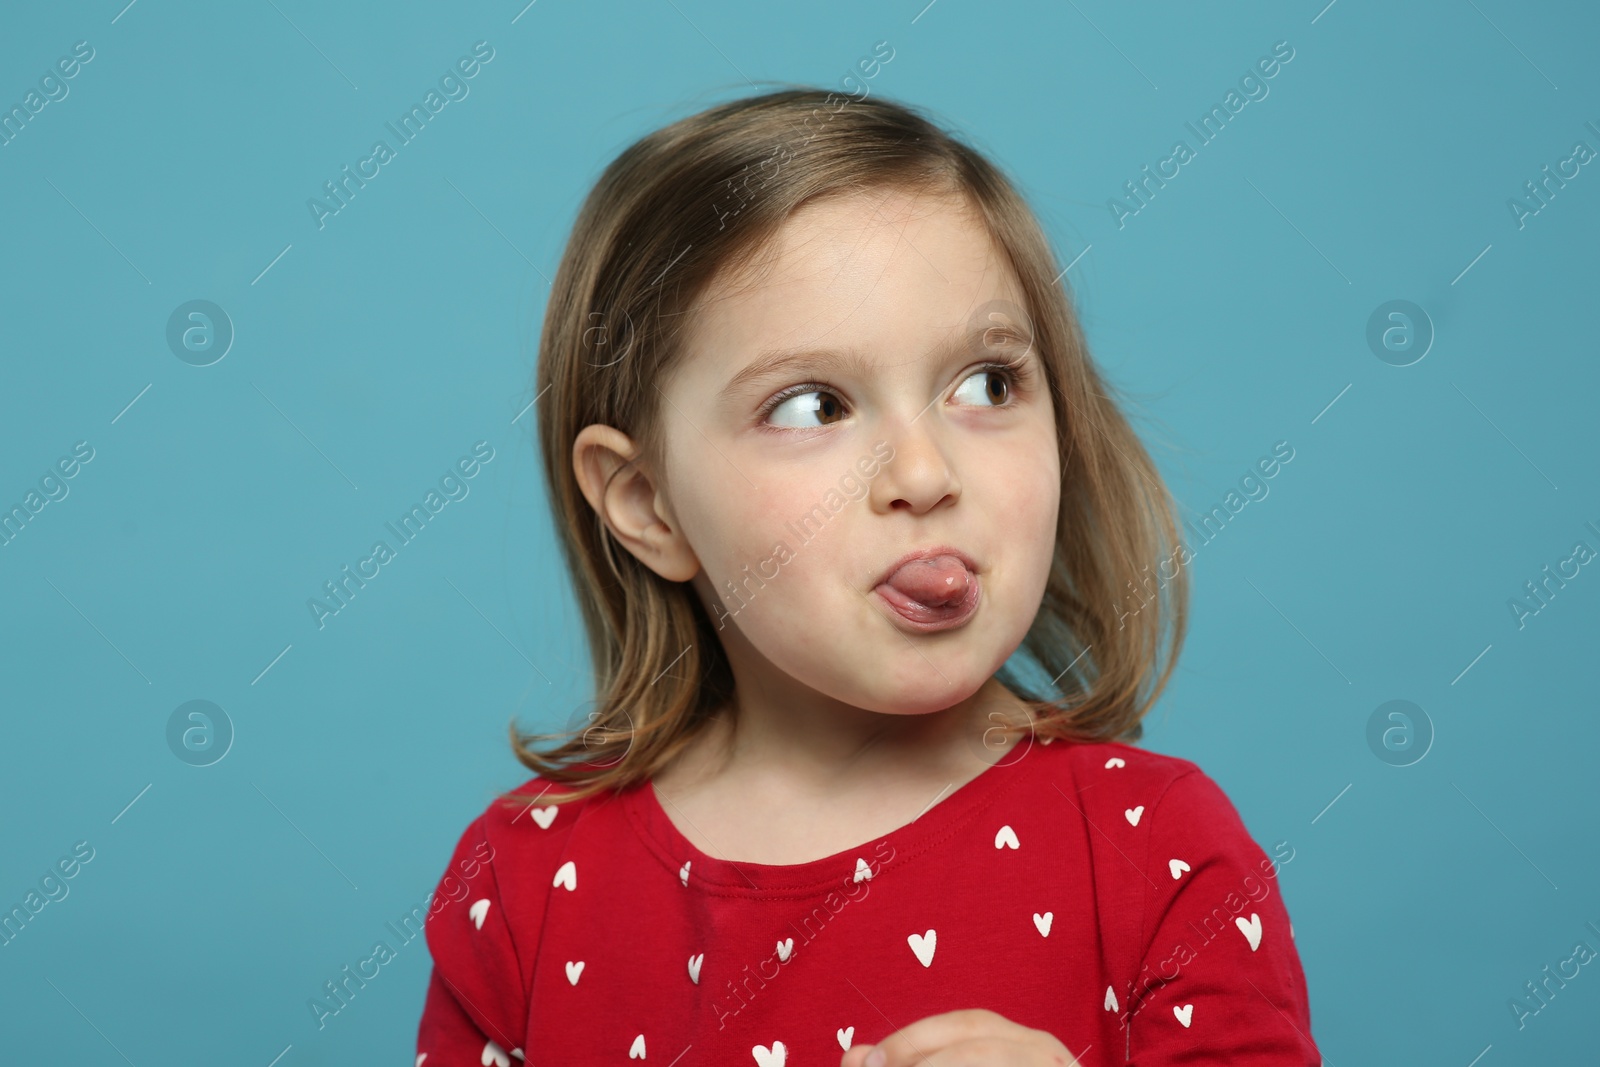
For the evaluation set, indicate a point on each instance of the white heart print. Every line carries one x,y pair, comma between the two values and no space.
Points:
1116,761
479,909
694,967
923,945
683,872
574,970
863,872
1177,867
1007,837
1184,1014
1042,922
785,947
1251,930
420,1057
845,1036
1133,815
773,1057
567,875
636,1050
494,1056
544,816
1111,999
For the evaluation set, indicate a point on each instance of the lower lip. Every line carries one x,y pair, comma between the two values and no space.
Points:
922,619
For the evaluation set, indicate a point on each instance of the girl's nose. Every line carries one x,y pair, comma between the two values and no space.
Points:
919,475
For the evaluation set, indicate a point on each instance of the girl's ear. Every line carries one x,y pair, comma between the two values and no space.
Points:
621,492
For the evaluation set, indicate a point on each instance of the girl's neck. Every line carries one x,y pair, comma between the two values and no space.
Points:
853,752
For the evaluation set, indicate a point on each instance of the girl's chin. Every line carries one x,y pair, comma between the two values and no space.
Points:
926,694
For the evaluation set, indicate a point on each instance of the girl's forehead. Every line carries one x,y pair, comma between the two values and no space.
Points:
839,256
845,214
887,273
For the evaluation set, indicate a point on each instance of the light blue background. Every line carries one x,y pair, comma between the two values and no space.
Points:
375,351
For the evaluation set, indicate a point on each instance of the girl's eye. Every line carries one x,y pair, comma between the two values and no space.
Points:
802,404
1005,376
819,399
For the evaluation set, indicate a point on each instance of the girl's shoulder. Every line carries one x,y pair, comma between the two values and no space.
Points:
537,802
1091,763
527,826
516,841
1112,782
484,920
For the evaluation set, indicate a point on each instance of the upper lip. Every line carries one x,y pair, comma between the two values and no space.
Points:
926,553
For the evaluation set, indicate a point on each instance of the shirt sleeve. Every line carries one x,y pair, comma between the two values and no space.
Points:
476,1010
1220,980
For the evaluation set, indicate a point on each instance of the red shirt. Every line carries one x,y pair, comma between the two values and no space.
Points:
1101,892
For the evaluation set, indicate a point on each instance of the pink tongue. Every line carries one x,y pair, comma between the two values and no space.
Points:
934,582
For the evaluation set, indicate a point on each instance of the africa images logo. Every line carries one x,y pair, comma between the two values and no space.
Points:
453,84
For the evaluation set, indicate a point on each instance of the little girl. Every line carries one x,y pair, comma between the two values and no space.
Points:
864,549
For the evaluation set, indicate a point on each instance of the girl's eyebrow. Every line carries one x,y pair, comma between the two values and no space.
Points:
775,363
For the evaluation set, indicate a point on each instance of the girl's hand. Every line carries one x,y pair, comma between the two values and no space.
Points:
972,1038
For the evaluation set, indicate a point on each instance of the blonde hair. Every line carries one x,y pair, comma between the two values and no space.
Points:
700,199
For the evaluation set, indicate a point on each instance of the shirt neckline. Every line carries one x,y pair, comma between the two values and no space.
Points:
729,877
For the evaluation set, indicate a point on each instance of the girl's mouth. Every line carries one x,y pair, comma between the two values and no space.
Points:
931,594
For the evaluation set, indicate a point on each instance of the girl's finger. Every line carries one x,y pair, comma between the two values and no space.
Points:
998,1052
925,1037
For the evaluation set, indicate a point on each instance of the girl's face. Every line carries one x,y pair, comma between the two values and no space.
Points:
795,506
